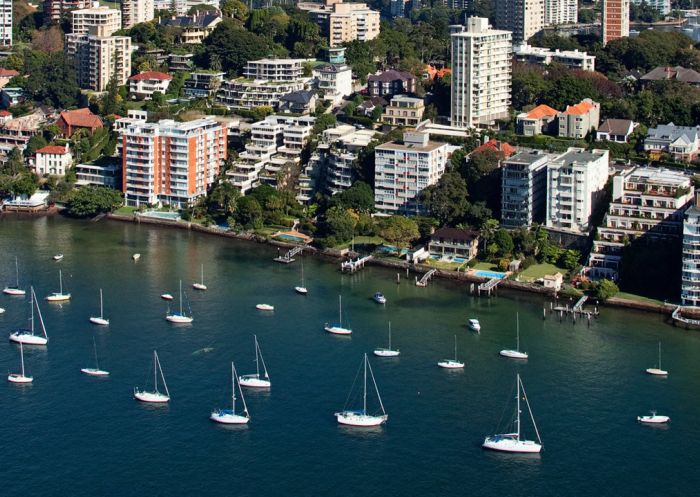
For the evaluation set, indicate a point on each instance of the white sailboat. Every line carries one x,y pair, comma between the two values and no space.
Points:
302,288
653,419
511,442
101,319
96,371
201,285
59,296
58,257
27,336
180,317
166,296
388,352
155,396
255,380
20,377
14,290
515,354
265,307
657,371
338,329
474,324
361,417
451,363
229,416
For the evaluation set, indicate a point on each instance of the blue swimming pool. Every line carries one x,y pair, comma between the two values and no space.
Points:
291,238
173,216
490,274
459,260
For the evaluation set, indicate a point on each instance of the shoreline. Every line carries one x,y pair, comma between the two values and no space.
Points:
509,285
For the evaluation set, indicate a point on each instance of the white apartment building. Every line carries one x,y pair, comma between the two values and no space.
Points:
403,170
344,22
481,74
575,183
560,12
143,85
171,162
137,11
6,23
242,93
524,189
276,69
99,58
284,164
690,276
662,6
404,111
574,59
646,201
523,18
334,80
53,160
99,175
109,20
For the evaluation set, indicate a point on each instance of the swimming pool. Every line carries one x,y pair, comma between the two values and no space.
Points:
459,260
490,274
291,238
173,216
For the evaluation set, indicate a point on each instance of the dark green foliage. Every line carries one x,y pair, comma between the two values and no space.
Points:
651,268
233,46
91,200
52,79
399,230
359,197
447,199
249,213
338,224
604,289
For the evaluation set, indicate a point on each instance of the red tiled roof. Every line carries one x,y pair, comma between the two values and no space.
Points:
578,109
8,73
542,111
53,149
4,113
149,75
81,118
506,149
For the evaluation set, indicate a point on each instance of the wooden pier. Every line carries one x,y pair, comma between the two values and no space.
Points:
489,286
288,258
425,278
352,266
574,312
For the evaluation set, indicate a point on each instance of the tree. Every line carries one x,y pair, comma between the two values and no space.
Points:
91,200
399,230
110,103
606,289
35,143
249,213
569,259
235,9
234,46
447,199
225,196
51,80
339,224
359,197
323,122
504,242
49,40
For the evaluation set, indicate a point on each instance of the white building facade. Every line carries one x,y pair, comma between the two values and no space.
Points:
690,276
53,160
524,189
6,23
137,11
560,12
109,20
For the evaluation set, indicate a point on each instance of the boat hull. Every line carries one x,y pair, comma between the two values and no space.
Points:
199,286
19,378
350,418
509,444
253,381
14,291
151,397
513,354
227,417
653,420
264,307
58,257
301,290
136,257
166,296
94,372
474,325
656,372
100,321
386,353
379,299
450,364
176,318
58,297
28,339
337,330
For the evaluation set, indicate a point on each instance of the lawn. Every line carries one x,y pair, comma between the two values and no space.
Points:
450,266
125,210
537,271
485,266
361,240
638,298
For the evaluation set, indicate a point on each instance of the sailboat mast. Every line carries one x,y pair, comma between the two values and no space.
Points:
21,355
257,363
202,274
340,307
455,347
517,331
518,408
233,389
17,271
60,282
31,306
376,388
364,396
529,409
101,311
181,298
155,370
389,335
41,319
240,390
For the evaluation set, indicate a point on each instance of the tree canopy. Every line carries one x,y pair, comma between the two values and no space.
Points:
91,200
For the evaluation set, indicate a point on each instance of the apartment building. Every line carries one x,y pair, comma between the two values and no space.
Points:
616,20
334,81
389,83
109,175
560,12
203,84
344,22
137,11
53,160
276,69
647,202
575,184
404,111
524,189
55,9
662,6
523,18
690,275
574,59
110,20
192,29
99,58
6,23
171,162
579,120
403,170
541,119
243,93
143,85
681,142
481,74
284,167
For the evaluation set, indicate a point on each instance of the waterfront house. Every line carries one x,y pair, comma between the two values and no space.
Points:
454,242
53,160
106,171
553,281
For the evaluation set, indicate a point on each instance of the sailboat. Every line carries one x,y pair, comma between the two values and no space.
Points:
337,329
301,289
180,317
101,319
657,371
155,396
511,442
14,290
360,417
96,371
27,336
200,286
254,380
451,363
59,296
653,418
515,354
20,377
388,352
58,257
229,416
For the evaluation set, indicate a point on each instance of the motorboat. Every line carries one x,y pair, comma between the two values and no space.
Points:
265,307
136,257
474,324
379,298
166,296
653,418
58,257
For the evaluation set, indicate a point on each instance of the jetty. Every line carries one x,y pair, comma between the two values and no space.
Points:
489,286
574,311
677,316
352,266
425,278
288,258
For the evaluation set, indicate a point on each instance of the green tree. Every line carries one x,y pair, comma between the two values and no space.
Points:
605,289
51,80
339,224
234,46
359,197
235,9
249,213
399,230
324,122
447,199
91,200
35,143
504,242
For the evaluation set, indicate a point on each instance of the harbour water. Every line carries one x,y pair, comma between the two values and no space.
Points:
68,434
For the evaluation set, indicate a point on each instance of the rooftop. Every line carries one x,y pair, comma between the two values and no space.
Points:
455,234
657,176
677,73
528,157
579,155
151,75
583,107
616,126
542,111
391,75
53,149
